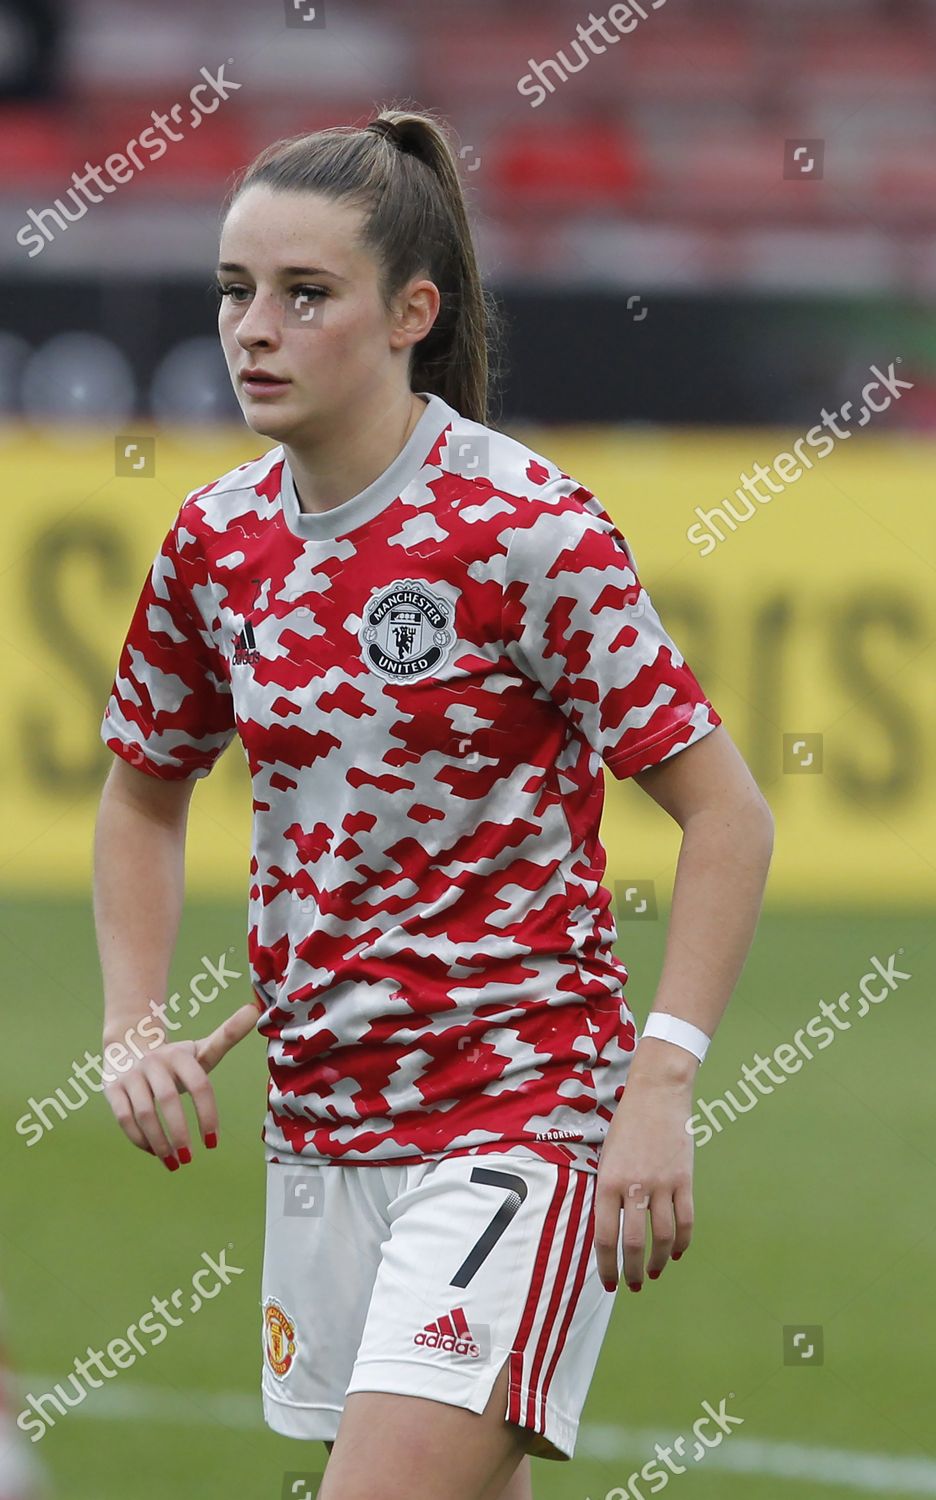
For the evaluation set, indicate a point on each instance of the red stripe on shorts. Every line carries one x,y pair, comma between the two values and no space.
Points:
558,1291
536,1286
572,1302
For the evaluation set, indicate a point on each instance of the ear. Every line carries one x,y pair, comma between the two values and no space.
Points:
415,309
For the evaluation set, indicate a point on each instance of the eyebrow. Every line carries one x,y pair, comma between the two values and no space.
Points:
227,265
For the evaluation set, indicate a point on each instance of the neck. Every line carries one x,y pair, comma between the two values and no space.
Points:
332,471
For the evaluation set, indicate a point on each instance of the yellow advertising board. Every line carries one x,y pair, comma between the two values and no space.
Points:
810,624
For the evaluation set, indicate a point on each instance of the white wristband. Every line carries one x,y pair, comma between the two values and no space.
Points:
683,1033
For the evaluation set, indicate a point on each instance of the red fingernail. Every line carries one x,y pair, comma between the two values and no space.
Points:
171,1163
635,1285
211,1140
609,1286
653,1275
677,1255
185,1155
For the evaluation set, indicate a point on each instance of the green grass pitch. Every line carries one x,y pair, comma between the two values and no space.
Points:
816,1208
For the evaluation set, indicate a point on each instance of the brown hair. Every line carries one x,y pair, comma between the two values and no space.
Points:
403,172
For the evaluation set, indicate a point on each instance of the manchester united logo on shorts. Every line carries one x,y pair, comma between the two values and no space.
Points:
279,1338
405,632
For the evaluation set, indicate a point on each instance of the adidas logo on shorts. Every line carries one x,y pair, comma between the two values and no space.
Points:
449,1333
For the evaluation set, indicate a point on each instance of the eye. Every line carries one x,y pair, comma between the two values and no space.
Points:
307,293
232,290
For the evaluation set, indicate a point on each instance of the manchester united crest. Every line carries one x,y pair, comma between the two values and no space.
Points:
406,631
279,1338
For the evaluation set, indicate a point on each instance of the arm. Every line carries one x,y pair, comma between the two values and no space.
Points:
139,872
139,875
646,1159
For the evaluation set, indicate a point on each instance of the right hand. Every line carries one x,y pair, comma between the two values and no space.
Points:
161,1076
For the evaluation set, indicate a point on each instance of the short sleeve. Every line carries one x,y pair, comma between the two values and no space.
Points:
170,712
577,619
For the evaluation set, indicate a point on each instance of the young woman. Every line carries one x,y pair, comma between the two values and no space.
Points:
428,638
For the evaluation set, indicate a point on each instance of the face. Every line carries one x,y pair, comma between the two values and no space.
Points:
302,304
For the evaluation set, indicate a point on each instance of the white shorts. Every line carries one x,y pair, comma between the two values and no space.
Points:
423,1280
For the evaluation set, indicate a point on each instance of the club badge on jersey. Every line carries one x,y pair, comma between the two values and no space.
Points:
405,631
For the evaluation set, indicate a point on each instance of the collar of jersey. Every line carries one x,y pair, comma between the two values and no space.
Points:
386,488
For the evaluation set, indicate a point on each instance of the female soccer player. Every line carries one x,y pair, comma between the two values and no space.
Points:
428,638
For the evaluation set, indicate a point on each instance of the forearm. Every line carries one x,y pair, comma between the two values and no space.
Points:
717,895
139,876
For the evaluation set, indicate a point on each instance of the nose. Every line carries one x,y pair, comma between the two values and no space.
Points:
261,324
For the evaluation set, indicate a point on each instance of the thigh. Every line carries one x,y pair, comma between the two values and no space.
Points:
518,1487
392,1447
487,1285
324,1229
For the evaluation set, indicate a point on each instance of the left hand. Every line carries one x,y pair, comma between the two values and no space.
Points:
646,1166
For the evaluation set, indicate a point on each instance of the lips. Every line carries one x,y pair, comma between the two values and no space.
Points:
262,384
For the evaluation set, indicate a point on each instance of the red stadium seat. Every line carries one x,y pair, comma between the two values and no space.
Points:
35,142
574,167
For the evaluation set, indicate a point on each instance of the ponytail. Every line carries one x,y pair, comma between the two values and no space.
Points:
403,171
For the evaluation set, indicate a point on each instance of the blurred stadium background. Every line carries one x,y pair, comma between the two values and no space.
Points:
703,238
